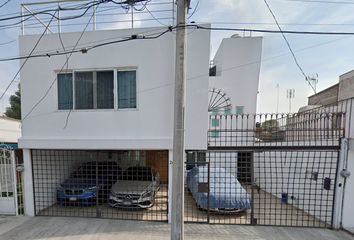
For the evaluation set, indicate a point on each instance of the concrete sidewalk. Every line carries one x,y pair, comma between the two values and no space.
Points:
59,228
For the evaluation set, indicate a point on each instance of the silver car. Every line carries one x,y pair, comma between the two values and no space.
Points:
135,188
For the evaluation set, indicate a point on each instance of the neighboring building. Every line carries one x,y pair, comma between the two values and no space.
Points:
331,113
338,92
10,156
237,64
10,131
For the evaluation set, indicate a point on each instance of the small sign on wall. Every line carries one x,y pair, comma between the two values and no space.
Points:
327,183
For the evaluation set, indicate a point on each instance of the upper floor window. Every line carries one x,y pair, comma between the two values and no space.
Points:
239,109
95,90
227,110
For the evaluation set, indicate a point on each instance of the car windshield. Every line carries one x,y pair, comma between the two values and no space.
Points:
137,174
90,172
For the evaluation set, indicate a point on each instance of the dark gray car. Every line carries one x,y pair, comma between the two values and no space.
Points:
135,188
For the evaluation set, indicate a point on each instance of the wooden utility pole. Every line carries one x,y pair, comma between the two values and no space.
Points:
177,217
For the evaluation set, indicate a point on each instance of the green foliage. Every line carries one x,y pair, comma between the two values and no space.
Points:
270,126
14,111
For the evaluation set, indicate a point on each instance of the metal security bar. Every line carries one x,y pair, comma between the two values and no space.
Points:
18,153
8,191
277,188
294,188
218,187
103,184
321,126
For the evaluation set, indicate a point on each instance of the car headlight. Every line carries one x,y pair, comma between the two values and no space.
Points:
147,194
60,188
94,188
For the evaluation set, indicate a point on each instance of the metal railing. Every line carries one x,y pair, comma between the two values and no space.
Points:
72,15
321,126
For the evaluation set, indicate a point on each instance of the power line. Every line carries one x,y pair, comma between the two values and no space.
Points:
313,1
23,64
286,24
224,70
8,42
66,62
146,33
57,53
286,40
5,3
294,57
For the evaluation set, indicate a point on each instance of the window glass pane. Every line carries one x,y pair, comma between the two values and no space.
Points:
215,122
105,85
215,111
201,157
137,158
127,162
239,110
65,91
227,111
214,134
83,90
126,89
190,159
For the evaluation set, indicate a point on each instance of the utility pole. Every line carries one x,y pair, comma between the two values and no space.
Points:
177,215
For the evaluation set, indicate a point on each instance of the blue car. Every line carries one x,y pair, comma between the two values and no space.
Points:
89,184
226,195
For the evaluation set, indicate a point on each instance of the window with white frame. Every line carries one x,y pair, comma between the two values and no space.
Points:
95,90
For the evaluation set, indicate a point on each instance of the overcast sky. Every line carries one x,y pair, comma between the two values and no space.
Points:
329,56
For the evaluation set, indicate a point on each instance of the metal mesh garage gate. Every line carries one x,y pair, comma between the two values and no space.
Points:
278,188
286,164
102,184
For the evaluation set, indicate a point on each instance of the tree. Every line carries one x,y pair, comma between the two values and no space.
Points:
270,126
14,111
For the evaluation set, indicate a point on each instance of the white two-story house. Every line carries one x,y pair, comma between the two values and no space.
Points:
114,102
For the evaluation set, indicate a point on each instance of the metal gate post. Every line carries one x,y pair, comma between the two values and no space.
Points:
339,183
253,220
13,164
208,191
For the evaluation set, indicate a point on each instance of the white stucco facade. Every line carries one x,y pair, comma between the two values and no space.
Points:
10,130
238,62
149,126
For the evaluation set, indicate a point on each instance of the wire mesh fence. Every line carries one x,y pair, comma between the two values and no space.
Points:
294,188
11,197
103,184
317,126
278,188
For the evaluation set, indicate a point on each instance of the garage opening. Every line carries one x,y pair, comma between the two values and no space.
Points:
101,184
277,188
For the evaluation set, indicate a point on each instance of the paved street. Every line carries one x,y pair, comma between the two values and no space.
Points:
59,228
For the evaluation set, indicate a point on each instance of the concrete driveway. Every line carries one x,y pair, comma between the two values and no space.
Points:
60,228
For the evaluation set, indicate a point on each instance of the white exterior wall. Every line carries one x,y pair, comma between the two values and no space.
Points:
348,207
150,126
238,62
290,172
10,130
